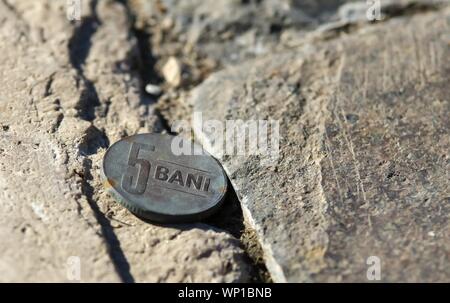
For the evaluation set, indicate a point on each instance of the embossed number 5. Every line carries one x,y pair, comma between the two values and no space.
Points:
142,173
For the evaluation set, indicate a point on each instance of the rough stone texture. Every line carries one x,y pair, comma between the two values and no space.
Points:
229,30
364,121
68,90
205,36
364,163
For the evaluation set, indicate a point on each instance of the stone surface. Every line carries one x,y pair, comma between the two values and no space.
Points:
67,91
203,36
206,38
364,151
364,161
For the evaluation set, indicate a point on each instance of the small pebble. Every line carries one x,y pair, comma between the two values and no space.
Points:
153,89
172,72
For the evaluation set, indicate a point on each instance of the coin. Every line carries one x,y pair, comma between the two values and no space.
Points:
154,181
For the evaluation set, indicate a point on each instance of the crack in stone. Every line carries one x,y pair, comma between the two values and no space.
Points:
114,249
79,47
81,41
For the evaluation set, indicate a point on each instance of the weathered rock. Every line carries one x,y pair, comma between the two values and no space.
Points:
45,218
364,162
172,72
230,31
68,90
203,36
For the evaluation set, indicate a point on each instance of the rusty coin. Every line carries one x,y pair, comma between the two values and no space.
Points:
157,180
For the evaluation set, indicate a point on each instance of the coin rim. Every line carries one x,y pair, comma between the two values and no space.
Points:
159,217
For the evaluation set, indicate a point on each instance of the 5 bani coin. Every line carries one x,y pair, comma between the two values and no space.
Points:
145,175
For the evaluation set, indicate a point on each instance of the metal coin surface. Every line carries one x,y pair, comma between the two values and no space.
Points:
145,175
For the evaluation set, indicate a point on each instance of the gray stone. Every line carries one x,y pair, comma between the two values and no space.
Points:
67,91
363,165
231,31
226,31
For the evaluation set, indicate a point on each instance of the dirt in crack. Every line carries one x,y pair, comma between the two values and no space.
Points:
79,47
230,218
114,249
